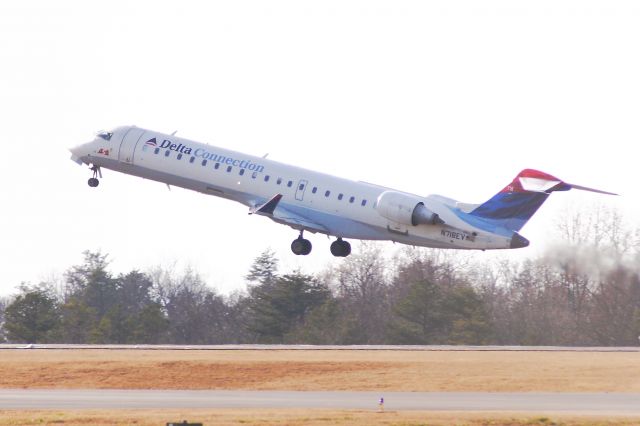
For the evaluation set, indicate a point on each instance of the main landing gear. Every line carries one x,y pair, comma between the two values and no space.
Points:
340,248
301,246
93,181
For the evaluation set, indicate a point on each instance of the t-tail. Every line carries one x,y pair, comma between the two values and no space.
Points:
512,207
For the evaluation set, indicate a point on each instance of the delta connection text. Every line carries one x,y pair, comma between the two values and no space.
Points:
201,152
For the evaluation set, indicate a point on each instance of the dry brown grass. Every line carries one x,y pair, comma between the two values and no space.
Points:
322,370
297,417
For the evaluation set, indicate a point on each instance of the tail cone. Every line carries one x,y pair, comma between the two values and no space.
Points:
518,241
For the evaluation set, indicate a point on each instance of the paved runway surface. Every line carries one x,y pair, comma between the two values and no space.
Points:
584,403
21,346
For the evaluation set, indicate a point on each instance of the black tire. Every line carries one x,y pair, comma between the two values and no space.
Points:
340,248
93,182
296,247
301,247
336,249
307,247
346,248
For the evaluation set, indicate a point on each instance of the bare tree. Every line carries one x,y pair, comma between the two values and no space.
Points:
361,284
598,226
196,313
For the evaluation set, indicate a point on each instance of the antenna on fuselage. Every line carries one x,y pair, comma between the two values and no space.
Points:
174,133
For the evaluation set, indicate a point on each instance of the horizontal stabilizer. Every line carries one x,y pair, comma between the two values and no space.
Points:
584,188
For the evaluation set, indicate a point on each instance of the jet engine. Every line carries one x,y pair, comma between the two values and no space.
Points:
405,209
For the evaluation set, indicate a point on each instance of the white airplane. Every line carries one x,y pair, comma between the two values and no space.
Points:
317,202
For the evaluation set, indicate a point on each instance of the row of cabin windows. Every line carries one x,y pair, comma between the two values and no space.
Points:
279,181
327,193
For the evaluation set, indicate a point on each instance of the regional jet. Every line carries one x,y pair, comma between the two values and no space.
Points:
316,202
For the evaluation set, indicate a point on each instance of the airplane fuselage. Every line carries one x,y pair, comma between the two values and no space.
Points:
310,201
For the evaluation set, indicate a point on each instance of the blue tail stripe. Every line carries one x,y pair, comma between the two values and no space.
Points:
511,209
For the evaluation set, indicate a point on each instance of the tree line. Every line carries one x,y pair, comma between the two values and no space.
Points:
584,291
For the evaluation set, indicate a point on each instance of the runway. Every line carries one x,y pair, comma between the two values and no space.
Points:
582,403
412,348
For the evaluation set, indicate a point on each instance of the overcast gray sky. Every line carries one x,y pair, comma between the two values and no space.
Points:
451,97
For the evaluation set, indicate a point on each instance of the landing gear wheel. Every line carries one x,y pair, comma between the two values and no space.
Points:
307,247
300,246
93,182
340,248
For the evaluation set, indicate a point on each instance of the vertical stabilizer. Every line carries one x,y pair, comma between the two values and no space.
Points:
512,207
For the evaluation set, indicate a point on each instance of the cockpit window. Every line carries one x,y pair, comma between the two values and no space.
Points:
105,135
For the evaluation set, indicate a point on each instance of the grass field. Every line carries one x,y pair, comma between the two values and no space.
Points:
322,370
316,370
298,417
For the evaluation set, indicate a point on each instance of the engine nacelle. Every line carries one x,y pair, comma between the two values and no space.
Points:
405,209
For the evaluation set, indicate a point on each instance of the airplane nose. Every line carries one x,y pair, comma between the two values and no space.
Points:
77,152
518,241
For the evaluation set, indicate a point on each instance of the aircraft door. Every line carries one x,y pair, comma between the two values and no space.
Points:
302,187
128,145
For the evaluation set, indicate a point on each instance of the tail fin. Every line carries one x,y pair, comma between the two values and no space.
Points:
512,207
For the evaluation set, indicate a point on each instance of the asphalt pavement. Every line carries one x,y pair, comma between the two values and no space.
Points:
583,403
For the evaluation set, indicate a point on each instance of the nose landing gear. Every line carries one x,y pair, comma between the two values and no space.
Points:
93,181
301,246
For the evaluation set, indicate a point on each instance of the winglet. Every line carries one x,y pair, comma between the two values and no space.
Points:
268,207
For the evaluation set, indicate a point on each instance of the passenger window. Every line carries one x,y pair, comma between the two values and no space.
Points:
241,172
279,181
340,196
364,203
326,194
204,162
254,175
301,186
289,184
352,199
217,166
166,153
266,178
157,150
315,189
229,169
192,159
179,157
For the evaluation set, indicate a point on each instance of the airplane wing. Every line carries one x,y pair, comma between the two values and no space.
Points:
285,216
297,221
268,207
